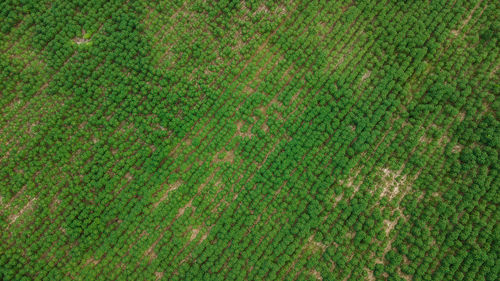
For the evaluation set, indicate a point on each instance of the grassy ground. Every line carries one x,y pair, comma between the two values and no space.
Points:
252,140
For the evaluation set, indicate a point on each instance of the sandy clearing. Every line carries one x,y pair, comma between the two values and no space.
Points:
389,226
159,275
392,183
457,148
262,9
316,274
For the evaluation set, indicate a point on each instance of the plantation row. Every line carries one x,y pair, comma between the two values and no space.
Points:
249,140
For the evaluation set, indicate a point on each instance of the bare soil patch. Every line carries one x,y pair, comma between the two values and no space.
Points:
392,183
150,253
457,148
389,226
91,261
262,9
81,40
316,274
239,126
370,276
159,275
194,233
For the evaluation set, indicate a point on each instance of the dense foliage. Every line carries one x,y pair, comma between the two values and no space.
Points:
249,140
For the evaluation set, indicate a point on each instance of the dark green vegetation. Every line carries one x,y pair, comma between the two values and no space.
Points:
249,140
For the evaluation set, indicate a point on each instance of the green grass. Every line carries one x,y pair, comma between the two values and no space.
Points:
249,140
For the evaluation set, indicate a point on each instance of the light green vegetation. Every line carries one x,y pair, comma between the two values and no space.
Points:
249,140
